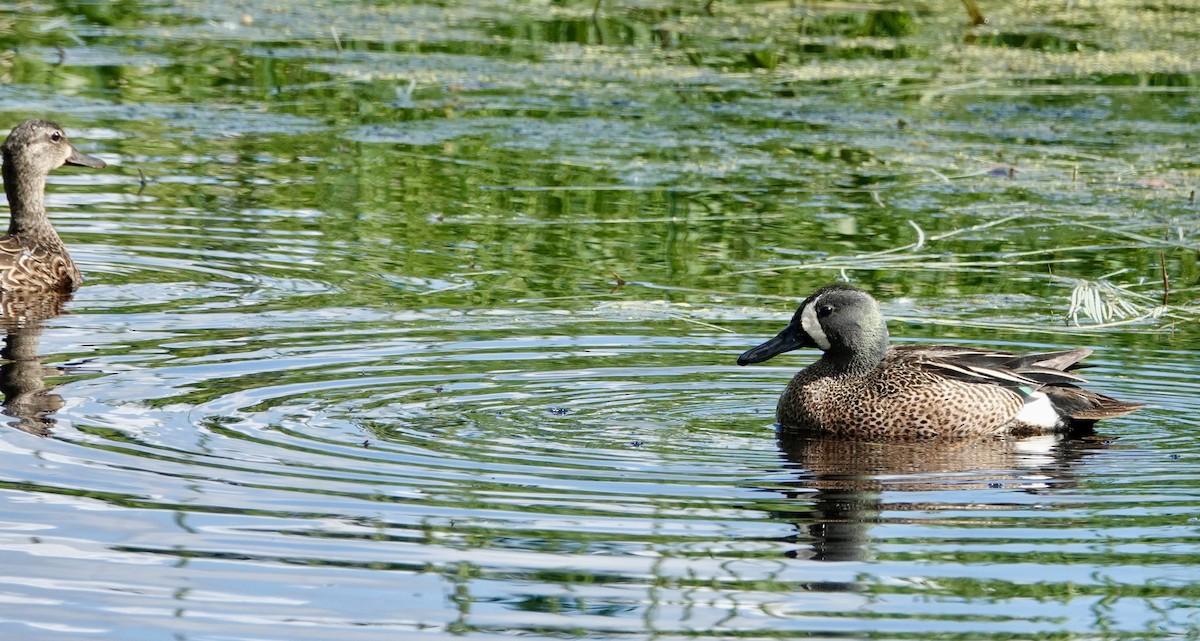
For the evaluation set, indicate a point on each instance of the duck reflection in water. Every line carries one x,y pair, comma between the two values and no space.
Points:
22,375
861,484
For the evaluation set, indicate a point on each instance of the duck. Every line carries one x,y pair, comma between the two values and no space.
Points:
864,388
33,258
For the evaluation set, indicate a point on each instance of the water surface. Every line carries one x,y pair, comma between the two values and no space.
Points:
420,321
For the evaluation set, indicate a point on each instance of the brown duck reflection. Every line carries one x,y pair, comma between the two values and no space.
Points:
22,375
850,478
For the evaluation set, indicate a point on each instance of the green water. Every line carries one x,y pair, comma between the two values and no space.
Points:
420,320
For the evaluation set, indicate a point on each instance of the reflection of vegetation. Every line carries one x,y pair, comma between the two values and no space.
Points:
321,213
445,172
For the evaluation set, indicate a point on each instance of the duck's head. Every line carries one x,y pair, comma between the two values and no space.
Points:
840,320
40,146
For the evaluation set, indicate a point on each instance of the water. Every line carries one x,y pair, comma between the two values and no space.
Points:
420,321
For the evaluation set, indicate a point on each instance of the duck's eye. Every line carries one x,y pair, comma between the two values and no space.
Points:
56,136
824,310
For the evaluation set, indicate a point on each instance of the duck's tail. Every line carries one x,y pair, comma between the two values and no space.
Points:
1085,408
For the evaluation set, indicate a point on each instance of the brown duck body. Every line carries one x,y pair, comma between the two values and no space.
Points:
33,257
923,391
32,265
863,388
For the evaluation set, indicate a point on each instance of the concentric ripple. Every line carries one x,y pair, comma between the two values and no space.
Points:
506,480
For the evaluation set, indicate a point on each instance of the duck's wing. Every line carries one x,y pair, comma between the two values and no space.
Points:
997,367
34,269
1062,361
1048,372
14,261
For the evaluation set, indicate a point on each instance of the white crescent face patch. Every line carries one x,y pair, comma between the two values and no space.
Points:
812,327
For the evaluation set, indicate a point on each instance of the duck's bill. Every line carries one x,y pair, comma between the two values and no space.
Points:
84,160
789,339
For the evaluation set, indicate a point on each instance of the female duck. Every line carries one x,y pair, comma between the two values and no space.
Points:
32,256
862,388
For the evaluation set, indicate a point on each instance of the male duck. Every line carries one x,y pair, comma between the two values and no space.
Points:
863,388
32,256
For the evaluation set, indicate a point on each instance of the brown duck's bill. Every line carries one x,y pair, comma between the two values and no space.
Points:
789,339
84,160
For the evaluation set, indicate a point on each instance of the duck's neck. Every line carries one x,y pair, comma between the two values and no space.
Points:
856,360
27,202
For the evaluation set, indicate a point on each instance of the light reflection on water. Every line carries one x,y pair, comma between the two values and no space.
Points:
267,474
359,361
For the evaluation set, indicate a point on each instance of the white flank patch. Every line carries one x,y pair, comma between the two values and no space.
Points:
1039,411
812,327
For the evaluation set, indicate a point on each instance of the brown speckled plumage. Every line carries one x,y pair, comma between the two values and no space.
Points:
32,256
863,388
